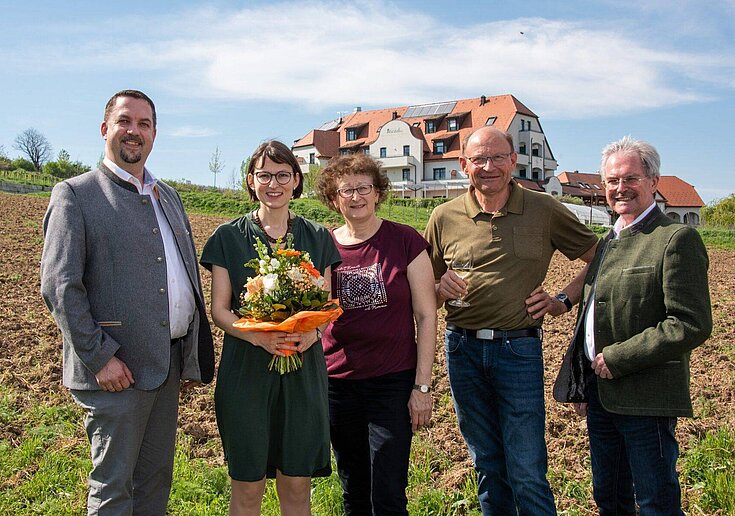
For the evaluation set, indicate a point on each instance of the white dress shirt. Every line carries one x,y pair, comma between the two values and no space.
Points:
589,316
181,304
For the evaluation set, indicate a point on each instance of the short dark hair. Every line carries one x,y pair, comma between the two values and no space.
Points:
350,165
130,93
277,152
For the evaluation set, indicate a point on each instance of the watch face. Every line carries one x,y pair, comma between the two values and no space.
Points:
562,297
422,388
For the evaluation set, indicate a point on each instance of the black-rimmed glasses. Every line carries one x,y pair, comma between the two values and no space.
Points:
264,178
349,192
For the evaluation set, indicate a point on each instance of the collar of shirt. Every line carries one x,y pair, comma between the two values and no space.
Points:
513,205
149,181
618,227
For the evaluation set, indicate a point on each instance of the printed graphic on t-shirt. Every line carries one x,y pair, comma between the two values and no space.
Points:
361,287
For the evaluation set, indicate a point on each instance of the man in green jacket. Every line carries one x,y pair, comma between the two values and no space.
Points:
644,306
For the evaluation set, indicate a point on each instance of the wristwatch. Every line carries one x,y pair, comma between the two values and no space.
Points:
561,296
422,387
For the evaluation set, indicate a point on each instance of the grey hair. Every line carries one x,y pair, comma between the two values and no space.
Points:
628,145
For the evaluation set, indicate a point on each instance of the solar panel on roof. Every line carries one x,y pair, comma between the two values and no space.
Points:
329,125
440,108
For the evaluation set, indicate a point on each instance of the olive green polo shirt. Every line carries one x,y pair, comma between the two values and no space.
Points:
511,252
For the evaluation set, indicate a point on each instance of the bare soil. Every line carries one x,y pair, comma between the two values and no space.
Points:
30,358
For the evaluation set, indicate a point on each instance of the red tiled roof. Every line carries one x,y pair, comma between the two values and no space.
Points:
678,193
326,142
473,115
577,178
529,185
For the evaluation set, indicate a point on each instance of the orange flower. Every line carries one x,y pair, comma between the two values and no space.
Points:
310,269
288,252
254,285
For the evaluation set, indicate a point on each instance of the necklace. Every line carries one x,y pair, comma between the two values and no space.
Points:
289,227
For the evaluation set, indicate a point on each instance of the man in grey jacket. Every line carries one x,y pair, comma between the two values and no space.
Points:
119,274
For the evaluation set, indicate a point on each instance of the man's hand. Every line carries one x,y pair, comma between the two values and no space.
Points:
540,303
600,367
451,286
580,409
114,376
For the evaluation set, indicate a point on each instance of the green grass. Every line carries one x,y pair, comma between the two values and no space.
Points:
718,238
709,467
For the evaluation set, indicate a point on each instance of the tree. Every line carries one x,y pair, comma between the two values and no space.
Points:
216,165
5,163
720,213
64,167
34,145
310,180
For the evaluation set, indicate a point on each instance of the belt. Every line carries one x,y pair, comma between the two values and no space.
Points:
492,333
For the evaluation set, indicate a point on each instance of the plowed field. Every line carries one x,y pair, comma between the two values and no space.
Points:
30,358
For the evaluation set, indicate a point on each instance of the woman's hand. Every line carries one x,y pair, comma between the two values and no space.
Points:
274,342
419,408
305,340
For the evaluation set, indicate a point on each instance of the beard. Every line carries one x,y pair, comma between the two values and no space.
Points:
130,157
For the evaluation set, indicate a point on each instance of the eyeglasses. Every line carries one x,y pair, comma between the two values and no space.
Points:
481,161
264,178
613,183
349,192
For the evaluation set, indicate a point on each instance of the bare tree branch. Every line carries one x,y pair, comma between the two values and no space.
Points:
34,145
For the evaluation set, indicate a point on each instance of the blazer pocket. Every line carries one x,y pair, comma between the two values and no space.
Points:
643,269
109,323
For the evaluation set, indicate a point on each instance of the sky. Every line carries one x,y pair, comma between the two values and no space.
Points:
229,75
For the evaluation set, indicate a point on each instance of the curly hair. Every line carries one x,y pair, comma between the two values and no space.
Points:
351,165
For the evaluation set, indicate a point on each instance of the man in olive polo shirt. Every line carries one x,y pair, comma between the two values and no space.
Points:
493,346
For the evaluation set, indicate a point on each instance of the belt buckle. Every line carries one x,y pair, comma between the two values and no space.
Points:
485,334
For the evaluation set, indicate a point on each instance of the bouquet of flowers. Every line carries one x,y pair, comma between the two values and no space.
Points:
288,295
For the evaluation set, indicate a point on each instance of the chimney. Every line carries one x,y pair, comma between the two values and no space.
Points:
395,115
357,109
483,100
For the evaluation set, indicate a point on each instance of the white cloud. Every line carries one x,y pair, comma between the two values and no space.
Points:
322,53
188,131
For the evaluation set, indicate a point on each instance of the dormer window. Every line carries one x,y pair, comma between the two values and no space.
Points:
439,147
452,124
430,126
351,134
491,120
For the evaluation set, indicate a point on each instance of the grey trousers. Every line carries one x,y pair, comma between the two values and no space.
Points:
132,435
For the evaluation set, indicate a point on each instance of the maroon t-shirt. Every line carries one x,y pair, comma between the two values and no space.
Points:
375,335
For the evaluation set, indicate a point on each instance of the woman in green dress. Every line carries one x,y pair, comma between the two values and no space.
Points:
271,425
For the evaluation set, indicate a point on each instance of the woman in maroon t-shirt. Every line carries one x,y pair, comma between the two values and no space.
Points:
379,366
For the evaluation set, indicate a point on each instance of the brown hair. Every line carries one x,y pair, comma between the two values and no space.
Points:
277,152
350,165
130,93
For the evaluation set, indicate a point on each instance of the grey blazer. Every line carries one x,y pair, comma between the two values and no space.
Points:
103,277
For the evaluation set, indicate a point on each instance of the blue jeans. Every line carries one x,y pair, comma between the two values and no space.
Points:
498,391
370,428
632,450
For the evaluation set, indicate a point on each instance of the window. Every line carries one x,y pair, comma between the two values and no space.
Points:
523,125
522,172
366,150
431,126
406,174
452,124
312,157
491,120
344,152
439,147
535,174
522,148
383,152
406,150
440,173
416,124
535,151
351,134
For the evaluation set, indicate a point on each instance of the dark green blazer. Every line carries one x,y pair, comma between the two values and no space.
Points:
652,307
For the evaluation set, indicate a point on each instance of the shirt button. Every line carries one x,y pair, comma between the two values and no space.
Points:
159,259
161,290
495,228
144,201
155,231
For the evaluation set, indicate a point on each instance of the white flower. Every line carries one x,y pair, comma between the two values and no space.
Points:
295,274
319,282
274,263
261,266
270,283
